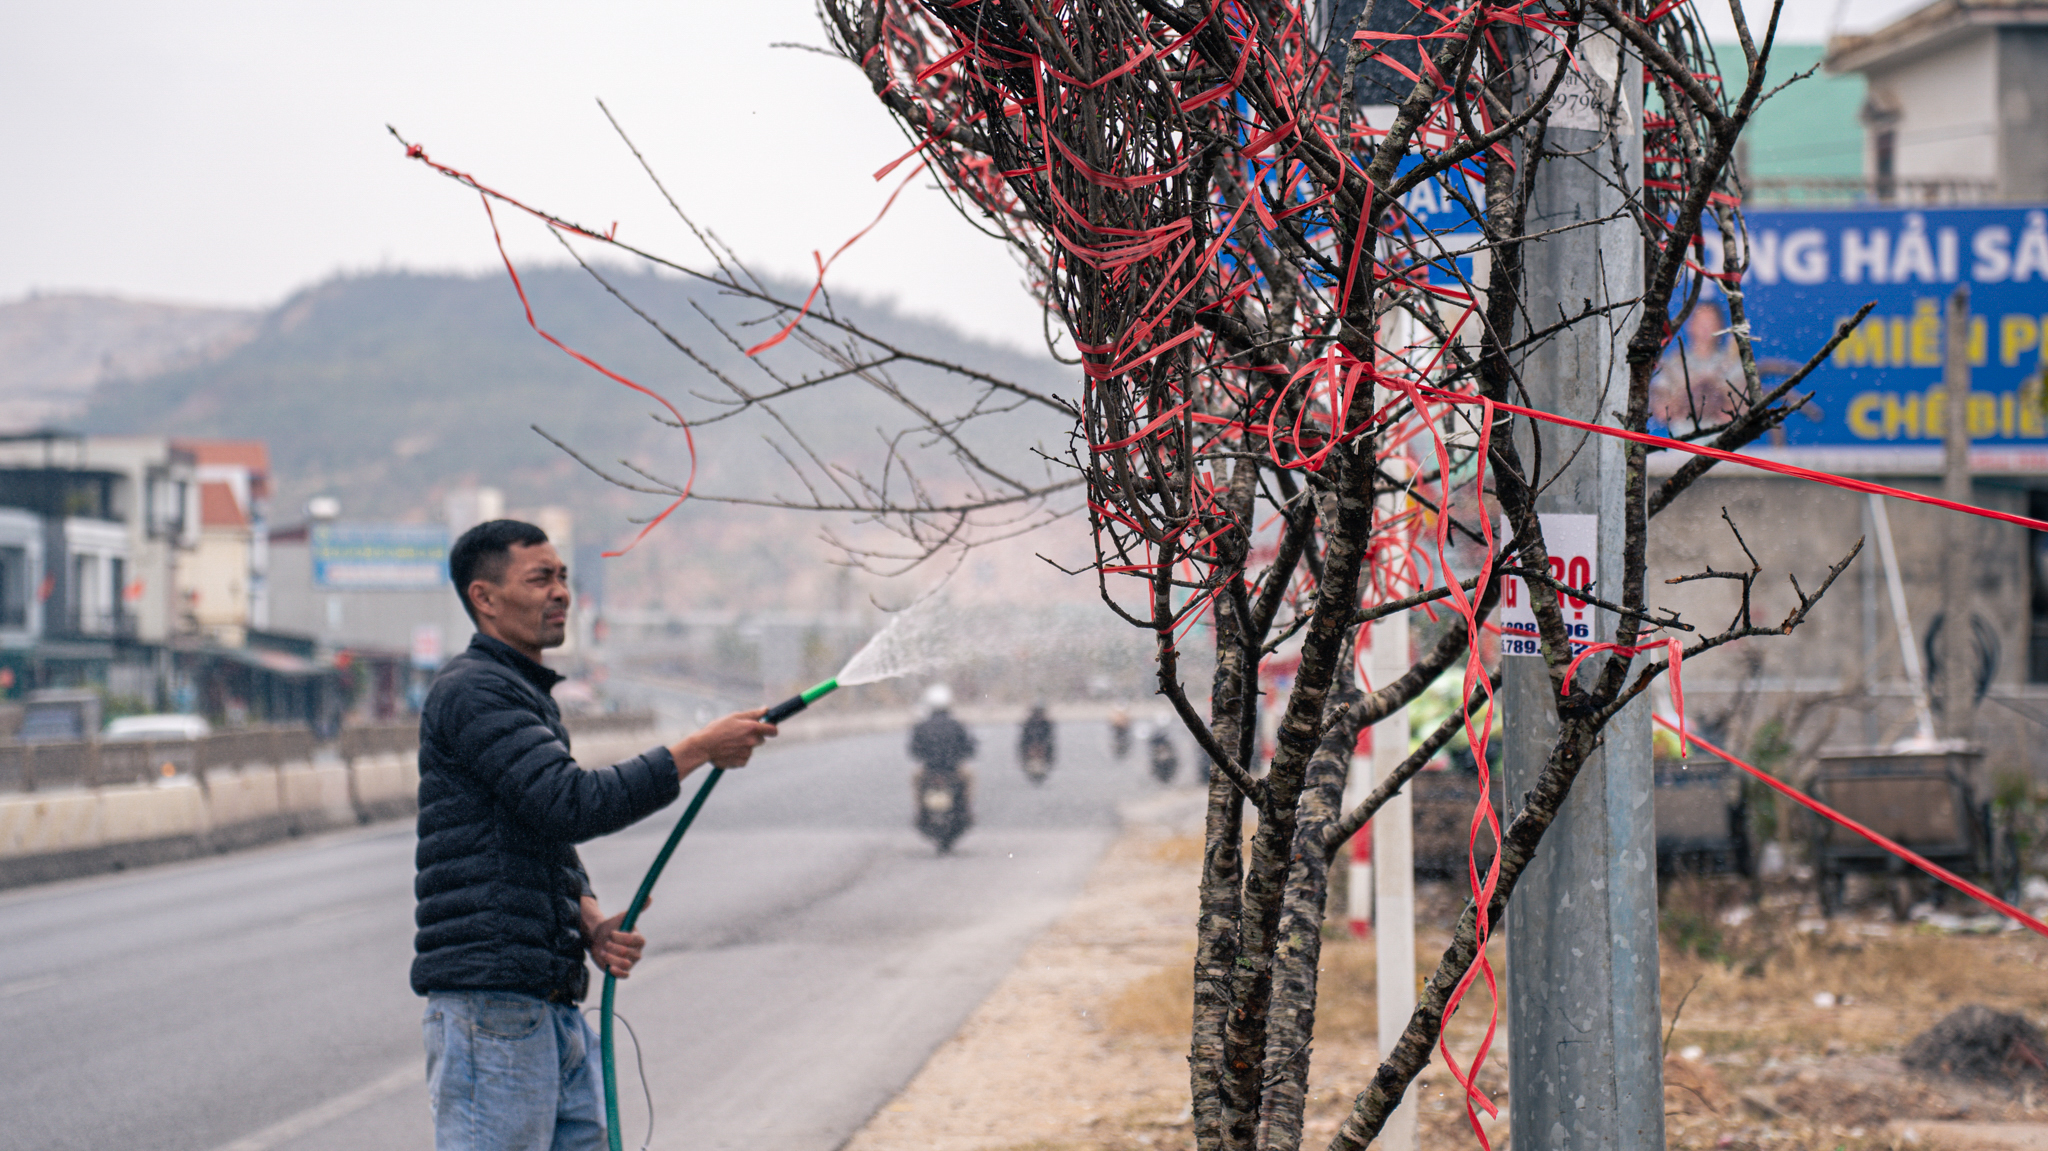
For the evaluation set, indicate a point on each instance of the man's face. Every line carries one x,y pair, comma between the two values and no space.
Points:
528,607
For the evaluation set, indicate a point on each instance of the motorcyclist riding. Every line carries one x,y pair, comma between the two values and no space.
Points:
943,787
1034,744
1165,761
1120,731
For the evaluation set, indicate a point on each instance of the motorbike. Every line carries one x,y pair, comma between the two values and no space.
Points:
1165,762
1119,733
942,746
943,813
1034,746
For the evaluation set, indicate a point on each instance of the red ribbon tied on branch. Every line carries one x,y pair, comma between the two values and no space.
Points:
487,194
1677,656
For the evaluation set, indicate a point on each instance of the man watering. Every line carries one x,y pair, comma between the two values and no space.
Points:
506,913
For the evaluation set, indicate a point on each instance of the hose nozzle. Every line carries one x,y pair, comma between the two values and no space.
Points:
797,703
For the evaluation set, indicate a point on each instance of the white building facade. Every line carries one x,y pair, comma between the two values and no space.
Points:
1957,106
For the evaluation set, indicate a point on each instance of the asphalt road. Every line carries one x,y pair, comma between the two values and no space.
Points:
807,951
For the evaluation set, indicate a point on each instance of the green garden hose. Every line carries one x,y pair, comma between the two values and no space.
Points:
611,982
776,714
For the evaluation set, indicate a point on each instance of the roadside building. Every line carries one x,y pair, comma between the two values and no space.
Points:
363,585
91,532
21,562
1957,103
1947,127
375,594
1914,163
131,565
222,581
1805,144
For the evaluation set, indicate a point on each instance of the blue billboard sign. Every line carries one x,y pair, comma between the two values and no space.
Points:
1882,388
1444,234
379,557
1433,233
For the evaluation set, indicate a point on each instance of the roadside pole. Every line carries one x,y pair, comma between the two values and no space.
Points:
1868,575
1358,879
1393,850
1582,985
1958,676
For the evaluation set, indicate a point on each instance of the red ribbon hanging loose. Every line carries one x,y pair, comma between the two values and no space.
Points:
825,265
689,440
487,193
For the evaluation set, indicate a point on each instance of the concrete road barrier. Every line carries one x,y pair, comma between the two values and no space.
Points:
49,822
317,795
59,835
137,814
240,795
49,835
384,786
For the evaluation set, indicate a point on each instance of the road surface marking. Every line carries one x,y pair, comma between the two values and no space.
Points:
320,1115
24,986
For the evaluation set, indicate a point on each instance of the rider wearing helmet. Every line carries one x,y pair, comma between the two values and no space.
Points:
940,742
941,745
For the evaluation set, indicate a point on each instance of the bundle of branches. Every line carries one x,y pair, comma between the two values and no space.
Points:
1303,398
1272,339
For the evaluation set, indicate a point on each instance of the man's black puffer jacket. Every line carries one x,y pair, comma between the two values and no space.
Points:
501,806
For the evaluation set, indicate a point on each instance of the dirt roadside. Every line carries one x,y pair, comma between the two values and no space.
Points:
1036,1064
1083,1045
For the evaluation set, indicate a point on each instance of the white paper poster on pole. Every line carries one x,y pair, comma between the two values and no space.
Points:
426,645
1572,539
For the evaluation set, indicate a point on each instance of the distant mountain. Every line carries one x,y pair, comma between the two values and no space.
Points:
388,390
56,349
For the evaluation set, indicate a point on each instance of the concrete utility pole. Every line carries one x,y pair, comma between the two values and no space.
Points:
1958,647
1393,850
1583,1008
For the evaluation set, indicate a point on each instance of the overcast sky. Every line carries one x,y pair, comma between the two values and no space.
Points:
230,151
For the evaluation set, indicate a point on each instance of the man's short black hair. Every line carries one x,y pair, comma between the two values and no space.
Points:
484,550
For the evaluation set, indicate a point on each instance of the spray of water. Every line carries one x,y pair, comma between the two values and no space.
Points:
919,638
1043,650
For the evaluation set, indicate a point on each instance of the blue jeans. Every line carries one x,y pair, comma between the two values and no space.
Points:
509,1072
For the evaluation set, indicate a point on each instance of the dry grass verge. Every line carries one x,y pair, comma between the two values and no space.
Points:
1083,1047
